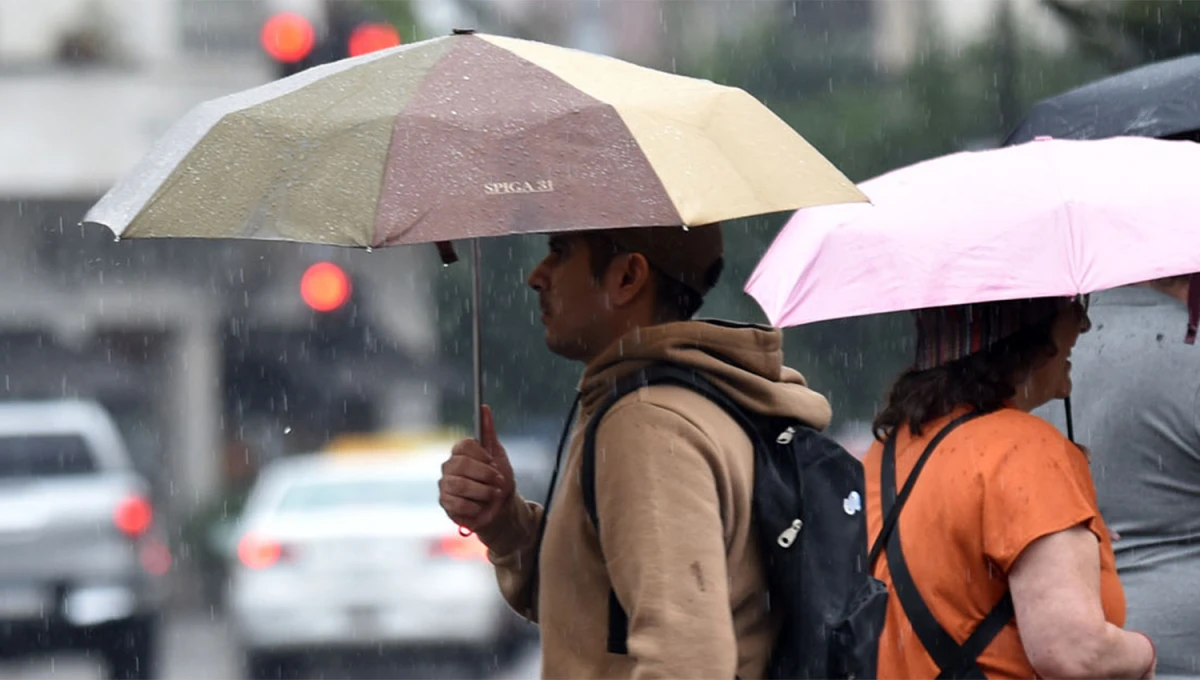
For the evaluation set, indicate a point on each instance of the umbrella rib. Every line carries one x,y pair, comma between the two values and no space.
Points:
1068,211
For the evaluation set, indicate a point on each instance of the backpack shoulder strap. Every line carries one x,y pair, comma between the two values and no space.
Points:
654,374
893,503
953,660
659,373
618,620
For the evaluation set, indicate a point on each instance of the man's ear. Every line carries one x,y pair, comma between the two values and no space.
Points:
628,278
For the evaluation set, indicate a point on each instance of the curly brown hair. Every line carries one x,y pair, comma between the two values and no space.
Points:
984,381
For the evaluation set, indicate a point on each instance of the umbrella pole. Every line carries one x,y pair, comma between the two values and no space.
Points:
476,344
1070,422
477,335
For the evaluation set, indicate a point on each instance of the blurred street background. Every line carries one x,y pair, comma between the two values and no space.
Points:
225,366
196,646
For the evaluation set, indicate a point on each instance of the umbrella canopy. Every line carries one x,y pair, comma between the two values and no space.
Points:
1157,100
465,136
1049,218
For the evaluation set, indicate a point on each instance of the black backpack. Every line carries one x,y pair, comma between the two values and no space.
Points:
809,511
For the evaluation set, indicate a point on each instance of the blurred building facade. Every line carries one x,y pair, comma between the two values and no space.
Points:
195,346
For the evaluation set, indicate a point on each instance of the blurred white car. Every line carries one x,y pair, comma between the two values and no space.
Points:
82,554
344,552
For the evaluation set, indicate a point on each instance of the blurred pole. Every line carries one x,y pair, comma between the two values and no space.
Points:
1006,68
477,334
195,411
589,29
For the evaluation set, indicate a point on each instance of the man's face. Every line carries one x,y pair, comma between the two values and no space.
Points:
575,307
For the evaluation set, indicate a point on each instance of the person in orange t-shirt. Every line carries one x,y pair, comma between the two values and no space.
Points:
1003,507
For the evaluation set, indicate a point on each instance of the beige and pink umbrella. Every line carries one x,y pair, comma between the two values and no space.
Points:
467,136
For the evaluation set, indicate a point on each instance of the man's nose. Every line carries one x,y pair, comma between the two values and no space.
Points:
537,277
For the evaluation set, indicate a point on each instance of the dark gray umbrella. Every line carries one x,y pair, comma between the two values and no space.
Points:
1157,100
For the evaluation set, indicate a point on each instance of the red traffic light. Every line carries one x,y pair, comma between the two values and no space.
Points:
367,38
288,37
325,287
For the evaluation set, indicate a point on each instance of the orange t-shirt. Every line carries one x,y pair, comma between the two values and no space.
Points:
992,487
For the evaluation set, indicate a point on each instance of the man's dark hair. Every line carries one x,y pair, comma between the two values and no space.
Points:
982,381
674,300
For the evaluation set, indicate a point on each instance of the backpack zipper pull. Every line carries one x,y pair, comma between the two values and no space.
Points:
789,534
785,437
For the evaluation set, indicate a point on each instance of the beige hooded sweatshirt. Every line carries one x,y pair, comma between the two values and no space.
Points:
674,479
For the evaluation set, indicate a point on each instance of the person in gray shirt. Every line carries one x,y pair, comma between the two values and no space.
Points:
1136,406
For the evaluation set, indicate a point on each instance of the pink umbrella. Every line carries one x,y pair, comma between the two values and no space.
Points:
1048,218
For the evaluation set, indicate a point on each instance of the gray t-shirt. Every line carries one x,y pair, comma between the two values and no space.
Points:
1136,405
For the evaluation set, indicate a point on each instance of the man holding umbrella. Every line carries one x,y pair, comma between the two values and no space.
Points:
673,477
471,136
1136,399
